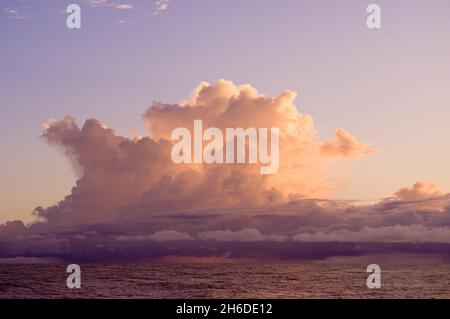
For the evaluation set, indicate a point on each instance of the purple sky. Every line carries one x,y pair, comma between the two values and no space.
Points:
388,87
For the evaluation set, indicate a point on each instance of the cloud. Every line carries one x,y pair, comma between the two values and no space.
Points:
420,190
243,235
16,14
160,6
123,6
389,234
127,178
115,171
345,145
96,3
302,229
162,235
106,3
16,227
131,201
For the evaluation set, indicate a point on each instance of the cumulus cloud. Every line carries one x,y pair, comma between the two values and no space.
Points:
115,171
345,145
420,190
121,177
131,201
15,227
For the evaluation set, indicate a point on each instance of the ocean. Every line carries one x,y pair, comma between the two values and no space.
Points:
234,280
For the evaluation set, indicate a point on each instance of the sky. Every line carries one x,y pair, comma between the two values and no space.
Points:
386,88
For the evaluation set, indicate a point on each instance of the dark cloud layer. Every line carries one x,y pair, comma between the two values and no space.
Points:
305,229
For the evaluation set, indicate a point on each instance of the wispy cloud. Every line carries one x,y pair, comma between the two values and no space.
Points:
160,6
106,3
122,6
16,13
97,3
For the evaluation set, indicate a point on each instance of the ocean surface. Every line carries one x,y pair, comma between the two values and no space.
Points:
237,280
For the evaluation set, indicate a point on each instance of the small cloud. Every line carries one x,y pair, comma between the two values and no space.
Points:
345,145
97,3
123,6
115,5
15,14
420,190
160,6
121,21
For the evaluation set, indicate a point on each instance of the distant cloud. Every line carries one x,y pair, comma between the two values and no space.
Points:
162,235
243,235
420,190
160,6
305,229
16,14
16,227
390,234
106,3
123,6
345,145
97,3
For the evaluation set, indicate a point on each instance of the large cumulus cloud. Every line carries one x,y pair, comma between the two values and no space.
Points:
132,201
123,177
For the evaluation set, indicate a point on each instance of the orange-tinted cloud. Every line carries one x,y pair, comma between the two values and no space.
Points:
420,190
123,177
345,145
